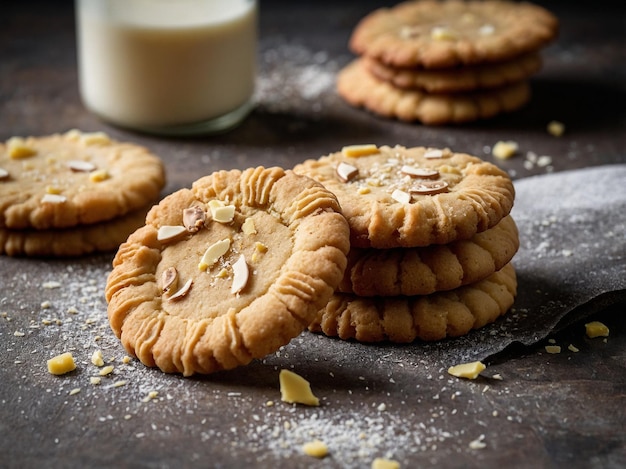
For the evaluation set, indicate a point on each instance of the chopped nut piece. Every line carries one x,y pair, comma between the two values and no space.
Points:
4,174
99,176
419,172
504,150
595,329
183,291
170,232
95,138
96,358
381,463
433,154
53,199
401,196
194,218
315,448
295,389
17,148
359,150
61,364
240,275
478,443
429,187
556,128
248,227
221,212
169,279
213,253
467,370
553,348
441,33
346,172
81,166
107,370
573,348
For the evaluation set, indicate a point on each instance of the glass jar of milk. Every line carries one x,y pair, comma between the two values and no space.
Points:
170,67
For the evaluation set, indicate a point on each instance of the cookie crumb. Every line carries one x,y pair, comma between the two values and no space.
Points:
97,359
359,150
61,364
382,463
505,149
95,380
478,443
573,348
553,348
74,391
467,370
556,128
315,448
595,329
107,370
295,389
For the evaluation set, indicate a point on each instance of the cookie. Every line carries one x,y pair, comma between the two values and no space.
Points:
227,271
361,89
449,33
430,317
75,241
71,179
457,79
410,197
422,271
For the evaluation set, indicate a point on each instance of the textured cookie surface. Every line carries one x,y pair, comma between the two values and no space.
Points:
457,79
75,241
361,89
264,251
440,34
409,197
421,271
430,317
59,181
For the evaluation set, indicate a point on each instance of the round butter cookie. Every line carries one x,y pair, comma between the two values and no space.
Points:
227,271
79,240
439,267
70,179
411,197
448,33
405,319
457,79
357,86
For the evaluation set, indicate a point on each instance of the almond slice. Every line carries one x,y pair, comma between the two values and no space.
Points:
53,199
429,187
359,150
401,196
346,172
169,279
170,232
81,166
221,212
240,275
4,174
213,253
183,291
433,154
419,172
248,227
193,218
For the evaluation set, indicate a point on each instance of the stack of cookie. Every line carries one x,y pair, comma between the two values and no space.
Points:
73,194
431,243
448,61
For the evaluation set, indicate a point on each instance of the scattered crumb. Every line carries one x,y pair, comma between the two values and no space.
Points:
553,348
467,370
106,370
74,391
295,389
61,364
381,463
478,443
573,348
95,380
19,334
556,128
595,329
315,448
118,384
96,358
505,149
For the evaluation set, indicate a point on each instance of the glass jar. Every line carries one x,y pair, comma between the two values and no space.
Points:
169,67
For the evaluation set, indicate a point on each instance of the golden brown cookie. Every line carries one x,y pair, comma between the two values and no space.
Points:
430,317
361,89
410,197
457,79
441,34
422,271
227,271
79,240
60,181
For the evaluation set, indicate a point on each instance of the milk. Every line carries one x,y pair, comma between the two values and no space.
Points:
158,64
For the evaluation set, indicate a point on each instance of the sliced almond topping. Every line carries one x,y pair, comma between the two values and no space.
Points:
359,150
419,172
442,33
433,154
17,148
4,174
248,227
81,166
240,275
169,279
193,218
183,291
221,212
429,187
95,138
99,175
346,172
401,196
170,232
53,199
487,30
213,253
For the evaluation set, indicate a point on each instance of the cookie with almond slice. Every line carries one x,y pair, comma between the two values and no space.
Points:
412,197
74,179
260,253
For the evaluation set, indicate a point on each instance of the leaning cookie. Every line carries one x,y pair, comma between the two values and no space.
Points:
425,270
357,86
410,197
431,317
60,181
457,79
227,271
448,33
80,240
